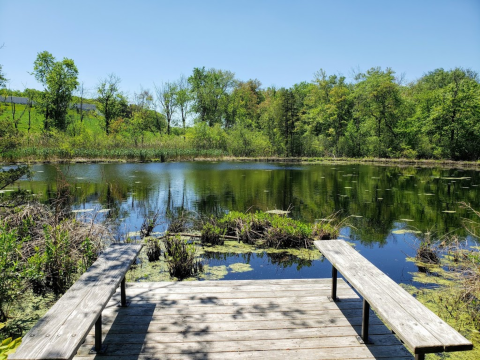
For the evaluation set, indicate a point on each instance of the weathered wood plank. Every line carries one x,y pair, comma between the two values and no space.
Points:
152,288
214,296
60,332
142,325
150,345
228,283
304,354
207,333
158,318
417,326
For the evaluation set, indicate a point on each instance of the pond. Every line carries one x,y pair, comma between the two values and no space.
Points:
387,209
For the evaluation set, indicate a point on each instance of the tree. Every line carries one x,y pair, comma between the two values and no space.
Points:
167,98
183,100
3,79
81,92
243,106
448,105
59,79
210,92
111,102
378,103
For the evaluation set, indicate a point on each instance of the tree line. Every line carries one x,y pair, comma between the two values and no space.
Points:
375,114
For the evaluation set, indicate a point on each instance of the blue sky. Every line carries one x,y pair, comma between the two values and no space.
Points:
277,42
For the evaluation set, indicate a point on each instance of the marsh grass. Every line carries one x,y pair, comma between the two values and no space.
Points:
181,259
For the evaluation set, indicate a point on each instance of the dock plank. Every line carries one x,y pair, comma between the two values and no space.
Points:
240,320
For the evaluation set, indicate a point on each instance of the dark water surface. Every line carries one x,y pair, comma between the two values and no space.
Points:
379,201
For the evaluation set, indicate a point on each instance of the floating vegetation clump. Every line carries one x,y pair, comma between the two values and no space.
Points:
180,256
154,250
269,230
212,234
427,253
240,267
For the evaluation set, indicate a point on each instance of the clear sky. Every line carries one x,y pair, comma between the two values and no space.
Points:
275,41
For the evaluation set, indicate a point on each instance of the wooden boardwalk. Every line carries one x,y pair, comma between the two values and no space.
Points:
258,319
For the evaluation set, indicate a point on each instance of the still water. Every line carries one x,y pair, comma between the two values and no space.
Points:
387,209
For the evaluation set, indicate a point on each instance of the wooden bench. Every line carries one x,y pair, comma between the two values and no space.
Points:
420,329
61,331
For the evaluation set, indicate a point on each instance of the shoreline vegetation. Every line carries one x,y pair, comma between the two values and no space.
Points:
136,155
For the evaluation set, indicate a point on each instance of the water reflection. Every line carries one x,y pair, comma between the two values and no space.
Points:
382,198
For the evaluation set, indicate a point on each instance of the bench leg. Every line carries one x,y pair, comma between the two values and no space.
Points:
98,334
123,295
419,356
333,297
363,339
99,348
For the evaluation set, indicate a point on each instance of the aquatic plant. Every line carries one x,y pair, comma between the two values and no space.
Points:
180,256
212,234
272,230
154,250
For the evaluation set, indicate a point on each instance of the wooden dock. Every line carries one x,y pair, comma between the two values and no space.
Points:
251,319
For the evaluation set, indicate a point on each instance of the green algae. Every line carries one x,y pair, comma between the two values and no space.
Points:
240,267
214,272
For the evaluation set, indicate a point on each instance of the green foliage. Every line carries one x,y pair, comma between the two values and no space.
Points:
3,79
60,80
180,258
54,266
212,234
110,101
271,230
375,115
11,268
205,137
210,91
8,177
8,346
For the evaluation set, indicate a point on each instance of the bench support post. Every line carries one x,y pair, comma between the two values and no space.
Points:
333,297
419,356
363,339
98,348
123,294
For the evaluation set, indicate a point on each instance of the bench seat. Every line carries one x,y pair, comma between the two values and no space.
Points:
61,331
419,328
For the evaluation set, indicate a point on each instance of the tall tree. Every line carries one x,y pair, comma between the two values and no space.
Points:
59,79
167,98
378,103
110,100
448,105
183,100
211,90
3,79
